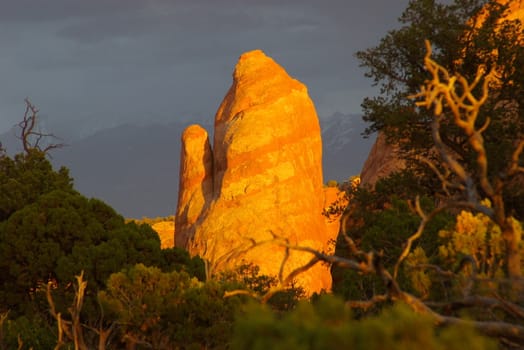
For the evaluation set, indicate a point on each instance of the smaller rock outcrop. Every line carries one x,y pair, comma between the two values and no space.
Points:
165,233
335,201
195,187
383,160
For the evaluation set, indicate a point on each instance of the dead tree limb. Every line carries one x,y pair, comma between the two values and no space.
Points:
498,329
371,263
457,95
73,330
31,135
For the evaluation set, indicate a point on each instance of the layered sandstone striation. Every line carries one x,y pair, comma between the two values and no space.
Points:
263,178
195,186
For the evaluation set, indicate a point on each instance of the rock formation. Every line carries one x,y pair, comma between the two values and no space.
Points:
515,10
262,179
383,159
195,186
335,202
165,233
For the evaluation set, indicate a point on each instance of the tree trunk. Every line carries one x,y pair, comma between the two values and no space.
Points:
511,236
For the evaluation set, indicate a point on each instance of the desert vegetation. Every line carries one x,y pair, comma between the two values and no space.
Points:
430,257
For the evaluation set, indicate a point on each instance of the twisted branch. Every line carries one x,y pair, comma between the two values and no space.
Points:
29,135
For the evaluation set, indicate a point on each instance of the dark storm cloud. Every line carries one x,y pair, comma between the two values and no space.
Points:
52,10
95,63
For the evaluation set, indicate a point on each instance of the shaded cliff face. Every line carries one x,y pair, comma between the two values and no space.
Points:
266,177
383,160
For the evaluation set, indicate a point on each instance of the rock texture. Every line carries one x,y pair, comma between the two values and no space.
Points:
515,10
262,179
335,201
165,233
195,186
383,159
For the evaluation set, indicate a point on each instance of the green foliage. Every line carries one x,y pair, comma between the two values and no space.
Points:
178,259
248,277
169,310
351,285
33,332
328,324
475,235
461,42
26,177
332,183
381,221
419,278
471,253
151,221
61,234
51,233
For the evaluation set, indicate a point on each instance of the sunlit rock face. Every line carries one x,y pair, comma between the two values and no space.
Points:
515,10
266,177
335,201
195,187
165,233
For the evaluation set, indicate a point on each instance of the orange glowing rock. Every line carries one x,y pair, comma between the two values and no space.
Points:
334,200
267,177
195,181
165,233
515,10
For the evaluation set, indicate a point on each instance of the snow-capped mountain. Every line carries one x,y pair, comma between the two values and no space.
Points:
135,168
344,148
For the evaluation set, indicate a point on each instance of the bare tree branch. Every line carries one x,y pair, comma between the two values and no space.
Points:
455,93
514,165
372,264
367,304
73,330
395,293
31,136
480,302
422,226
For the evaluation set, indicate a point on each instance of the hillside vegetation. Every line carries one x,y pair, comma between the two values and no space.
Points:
430,257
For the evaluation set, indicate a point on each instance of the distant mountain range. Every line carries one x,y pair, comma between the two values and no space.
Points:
344,148
135,168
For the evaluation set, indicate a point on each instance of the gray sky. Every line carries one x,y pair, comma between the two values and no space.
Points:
90,64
